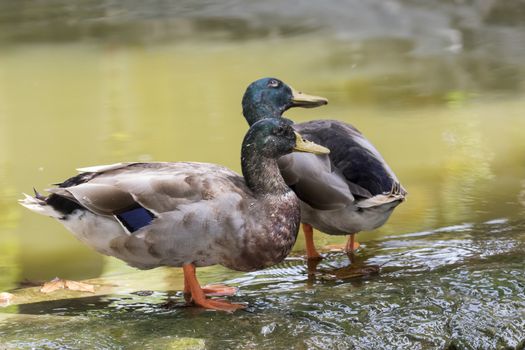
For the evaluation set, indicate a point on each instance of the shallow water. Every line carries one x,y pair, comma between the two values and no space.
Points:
438,89
456,287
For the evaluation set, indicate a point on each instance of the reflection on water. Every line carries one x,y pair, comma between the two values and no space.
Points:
438,88
468,166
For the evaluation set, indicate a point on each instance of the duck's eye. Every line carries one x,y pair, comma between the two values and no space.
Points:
273,83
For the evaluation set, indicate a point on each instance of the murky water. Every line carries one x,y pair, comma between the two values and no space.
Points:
437,88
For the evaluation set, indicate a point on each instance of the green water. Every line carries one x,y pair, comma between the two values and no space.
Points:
439,89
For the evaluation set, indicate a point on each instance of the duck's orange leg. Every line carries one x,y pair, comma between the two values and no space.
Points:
187,290
197,294
311,252
349,247
351,244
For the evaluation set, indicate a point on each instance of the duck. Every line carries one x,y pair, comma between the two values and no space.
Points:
349,190
187,214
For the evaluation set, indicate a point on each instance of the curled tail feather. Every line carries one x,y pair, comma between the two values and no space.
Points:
38,205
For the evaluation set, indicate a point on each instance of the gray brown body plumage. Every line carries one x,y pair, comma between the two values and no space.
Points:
205,214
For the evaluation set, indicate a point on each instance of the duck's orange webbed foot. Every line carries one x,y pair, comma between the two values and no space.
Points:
194,293
219,290
219,304
311,252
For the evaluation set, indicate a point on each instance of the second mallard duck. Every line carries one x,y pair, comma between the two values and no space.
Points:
350,190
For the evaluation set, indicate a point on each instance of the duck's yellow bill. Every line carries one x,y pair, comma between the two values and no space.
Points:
302,145
300,99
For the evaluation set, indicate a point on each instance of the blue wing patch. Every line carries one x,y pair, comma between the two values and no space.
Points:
135,218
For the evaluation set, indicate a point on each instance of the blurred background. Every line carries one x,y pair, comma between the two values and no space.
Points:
438,87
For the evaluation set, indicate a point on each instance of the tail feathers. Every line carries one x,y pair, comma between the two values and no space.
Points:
37,195
39,205
396,195
380,200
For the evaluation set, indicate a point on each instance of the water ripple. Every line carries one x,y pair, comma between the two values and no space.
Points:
460,287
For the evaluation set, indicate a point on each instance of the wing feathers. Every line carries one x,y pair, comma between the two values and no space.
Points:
98,198
157,187
103,168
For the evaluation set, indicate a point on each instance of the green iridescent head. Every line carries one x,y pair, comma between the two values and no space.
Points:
275,137
270,98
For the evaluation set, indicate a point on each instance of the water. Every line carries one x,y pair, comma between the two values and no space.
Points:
457,287
437,88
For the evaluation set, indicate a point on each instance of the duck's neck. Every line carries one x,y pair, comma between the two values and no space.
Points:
262,174
254,112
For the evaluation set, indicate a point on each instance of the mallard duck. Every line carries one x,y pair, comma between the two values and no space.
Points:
350,190
187,214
